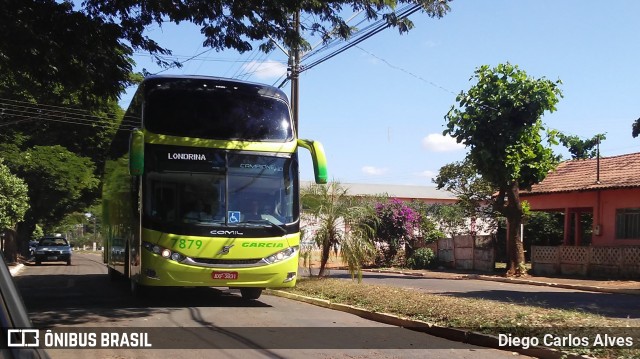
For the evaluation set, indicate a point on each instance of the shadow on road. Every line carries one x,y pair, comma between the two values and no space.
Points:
84,299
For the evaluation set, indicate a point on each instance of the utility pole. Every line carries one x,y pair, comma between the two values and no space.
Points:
598,158
294,60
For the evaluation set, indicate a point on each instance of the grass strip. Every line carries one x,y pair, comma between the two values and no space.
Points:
480,315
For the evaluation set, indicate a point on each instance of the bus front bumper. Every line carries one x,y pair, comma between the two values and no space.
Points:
162,272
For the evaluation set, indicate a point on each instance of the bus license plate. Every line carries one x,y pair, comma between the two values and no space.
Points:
225,275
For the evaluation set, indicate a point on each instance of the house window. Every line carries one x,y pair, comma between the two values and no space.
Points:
628,223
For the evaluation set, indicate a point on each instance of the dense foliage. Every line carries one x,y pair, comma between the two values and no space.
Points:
14,203
13,198
422,258
237,24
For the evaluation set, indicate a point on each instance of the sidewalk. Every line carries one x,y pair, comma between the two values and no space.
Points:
14,268
594,285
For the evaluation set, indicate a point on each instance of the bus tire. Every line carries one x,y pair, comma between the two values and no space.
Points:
250,293
138,290
113,274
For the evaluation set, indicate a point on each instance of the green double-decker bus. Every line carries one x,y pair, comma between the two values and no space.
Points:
201,187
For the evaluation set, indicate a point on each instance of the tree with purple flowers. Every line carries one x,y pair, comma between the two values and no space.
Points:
397,225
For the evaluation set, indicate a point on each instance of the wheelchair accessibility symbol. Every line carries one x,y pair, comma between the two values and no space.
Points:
233,216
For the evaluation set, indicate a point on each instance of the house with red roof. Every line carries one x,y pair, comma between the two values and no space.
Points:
607,190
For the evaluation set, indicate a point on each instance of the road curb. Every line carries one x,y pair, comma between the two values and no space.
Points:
16,269
458,335
556,285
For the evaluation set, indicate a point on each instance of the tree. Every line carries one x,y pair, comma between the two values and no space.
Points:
62,73
499,121
581,149
235,25
450,218
473,191
14,203
56,178
341,225
49,50
427,229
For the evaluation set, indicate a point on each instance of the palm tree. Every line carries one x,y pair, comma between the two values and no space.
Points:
342,225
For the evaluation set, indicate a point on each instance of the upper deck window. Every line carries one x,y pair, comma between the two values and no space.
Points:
205,109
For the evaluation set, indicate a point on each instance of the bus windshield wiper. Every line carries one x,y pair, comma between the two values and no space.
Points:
267,222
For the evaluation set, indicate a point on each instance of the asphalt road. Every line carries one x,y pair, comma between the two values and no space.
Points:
607,304
207,322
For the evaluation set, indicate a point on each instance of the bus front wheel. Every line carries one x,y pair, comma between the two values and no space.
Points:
250,293
138,290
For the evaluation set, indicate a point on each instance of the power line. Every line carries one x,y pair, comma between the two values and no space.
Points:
61,110
250,58
207,59
180,63
406,71
73,121
30,112
333,41
361,38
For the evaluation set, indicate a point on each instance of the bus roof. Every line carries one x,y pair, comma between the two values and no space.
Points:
266,90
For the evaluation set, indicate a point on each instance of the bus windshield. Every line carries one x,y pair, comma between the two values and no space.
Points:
254,192
200,109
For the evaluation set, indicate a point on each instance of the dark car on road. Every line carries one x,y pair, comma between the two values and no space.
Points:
32,247
53,249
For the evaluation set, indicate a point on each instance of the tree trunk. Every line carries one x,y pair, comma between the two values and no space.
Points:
515,249
326,250
25,230
10,246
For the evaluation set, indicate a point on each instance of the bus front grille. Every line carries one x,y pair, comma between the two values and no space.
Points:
216,262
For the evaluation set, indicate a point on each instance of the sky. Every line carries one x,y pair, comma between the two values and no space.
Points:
379,108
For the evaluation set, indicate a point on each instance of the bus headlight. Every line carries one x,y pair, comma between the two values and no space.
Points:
164,252
282,255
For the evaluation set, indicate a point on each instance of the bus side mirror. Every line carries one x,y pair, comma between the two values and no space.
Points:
136,153
319,159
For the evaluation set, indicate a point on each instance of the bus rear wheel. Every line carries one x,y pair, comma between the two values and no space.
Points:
250,293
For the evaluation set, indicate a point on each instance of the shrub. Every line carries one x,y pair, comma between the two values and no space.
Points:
421,258
396,226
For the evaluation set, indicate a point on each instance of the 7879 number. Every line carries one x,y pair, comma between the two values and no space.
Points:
187,243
